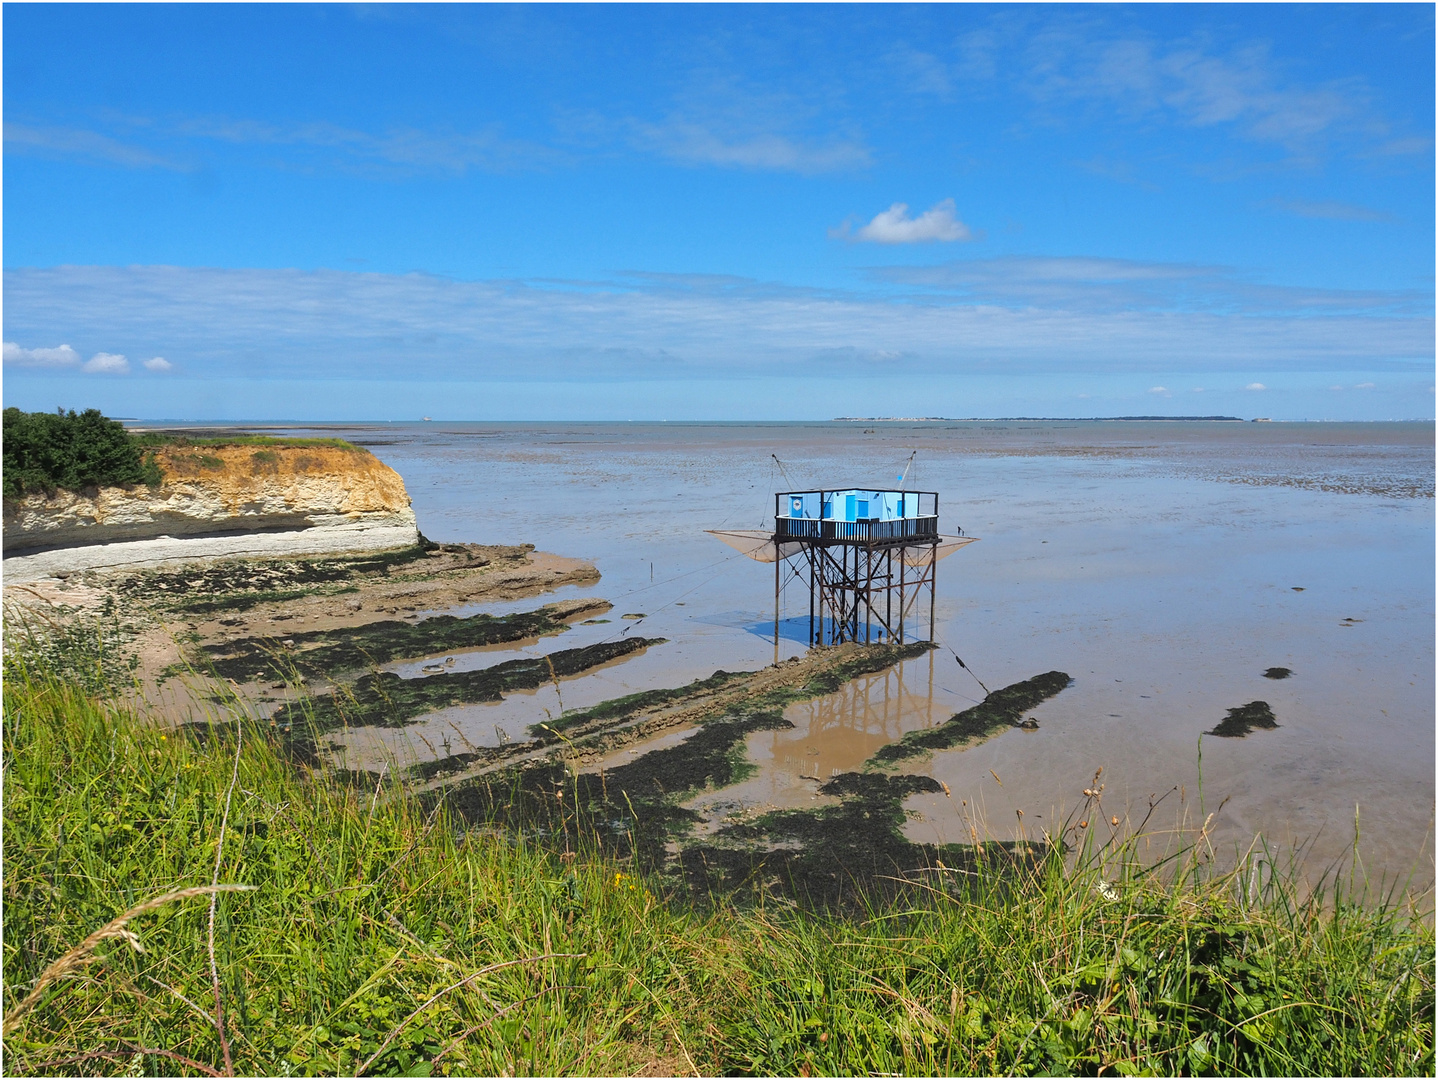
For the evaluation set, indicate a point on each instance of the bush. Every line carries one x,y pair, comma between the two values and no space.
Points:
70,450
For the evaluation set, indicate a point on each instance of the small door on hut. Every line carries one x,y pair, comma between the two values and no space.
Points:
849,507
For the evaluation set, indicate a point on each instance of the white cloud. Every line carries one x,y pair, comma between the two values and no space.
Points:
158,363
1255,386
1162,390
103,363
1364,386
62,356
894,226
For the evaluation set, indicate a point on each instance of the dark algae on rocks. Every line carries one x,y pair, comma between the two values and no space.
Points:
385,699
1001,709
327,653
1242,720
829,856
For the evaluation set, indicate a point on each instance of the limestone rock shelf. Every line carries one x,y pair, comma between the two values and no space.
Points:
215,501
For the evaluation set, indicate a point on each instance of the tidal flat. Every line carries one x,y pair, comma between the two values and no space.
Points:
1166,567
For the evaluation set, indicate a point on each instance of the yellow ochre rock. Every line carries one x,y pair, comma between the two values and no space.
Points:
345,497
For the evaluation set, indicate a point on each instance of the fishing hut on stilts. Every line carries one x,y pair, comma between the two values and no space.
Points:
869,558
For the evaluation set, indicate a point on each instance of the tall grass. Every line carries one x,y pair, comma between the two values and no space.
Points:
383,938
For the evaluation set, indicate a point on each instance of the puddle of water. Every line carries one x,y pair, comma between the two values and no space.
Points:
625,755
484,656
832,734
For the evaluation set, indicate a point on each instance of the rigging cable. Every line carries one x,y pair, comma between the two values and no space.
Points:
950,651
907,466
782,473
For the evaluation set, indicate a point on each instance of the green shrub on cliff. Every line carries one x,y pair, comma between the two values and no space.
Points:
70,450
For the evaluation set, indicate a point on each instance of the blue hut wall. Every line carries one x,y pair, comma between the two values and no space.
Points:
853,504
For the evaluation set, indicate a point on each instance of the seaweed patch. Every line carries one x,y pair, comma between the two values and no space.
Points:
325,653
1002,709
384,699
828,855
1242,720
1278,673
636,804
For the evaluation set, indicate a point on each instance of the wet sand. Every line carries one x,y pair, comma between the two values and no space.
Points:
1157,563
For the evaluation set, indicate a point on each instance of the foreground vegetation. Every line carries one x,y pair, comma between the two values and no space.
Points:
378,937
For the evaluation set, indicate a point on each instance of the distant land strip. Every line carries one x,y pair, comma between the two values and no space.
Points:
1039,419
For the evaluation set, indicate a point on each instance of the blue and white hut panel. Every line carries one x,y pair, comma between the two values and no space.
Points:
853,504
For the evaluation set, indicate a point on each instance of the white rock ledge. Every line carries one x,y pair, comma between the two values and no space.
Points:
134,554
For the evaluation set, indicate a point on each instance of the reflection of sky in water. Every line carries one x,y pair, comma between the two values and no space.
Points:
1156,564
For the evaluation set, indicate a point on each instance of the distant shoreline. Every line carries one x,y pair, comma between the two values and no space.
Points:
1039,419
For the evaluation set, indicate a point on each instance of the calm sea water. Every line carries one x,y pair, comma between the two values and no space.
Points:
1165,566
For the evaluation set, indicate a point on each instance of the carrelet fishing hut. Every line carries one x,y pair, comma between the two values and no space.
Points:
868,556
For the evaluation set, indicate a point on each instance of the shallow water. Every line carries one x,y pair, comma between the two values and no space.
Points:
1159,564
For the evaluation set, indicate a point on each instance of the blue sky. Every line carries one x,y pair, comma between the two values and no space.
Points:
375,212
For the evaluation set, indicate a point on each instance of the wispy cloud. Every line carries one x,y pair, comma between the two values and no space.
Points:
1065,61
487,149
696,144
1329,210
895,226
718,116
1242,88
921,72
265,324
1076,283
319,144
63,142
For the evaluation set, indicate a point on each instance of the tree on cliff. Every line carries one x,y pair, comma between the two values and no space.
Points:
70,450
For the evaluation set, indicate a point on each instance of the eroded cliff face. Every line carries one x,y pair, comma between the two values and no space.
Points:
224,490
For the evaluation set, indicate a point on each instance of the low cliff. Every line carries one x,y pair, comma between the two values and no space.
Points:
333,494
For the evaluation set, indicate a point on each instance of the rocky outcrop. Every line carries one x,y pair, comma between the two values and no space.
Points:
319,498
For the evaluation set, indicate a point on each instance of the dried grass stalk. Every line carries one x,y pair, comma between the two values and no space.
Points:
82,953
